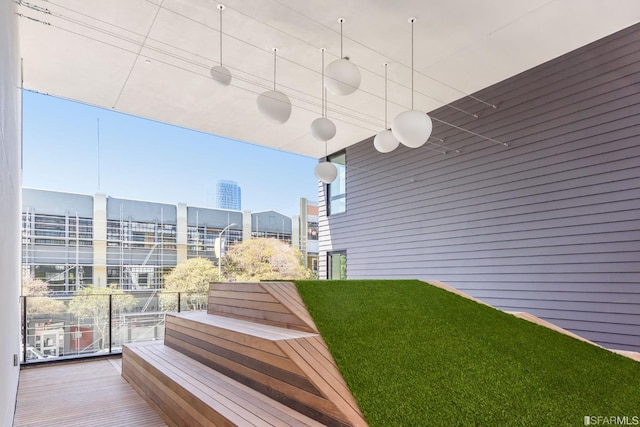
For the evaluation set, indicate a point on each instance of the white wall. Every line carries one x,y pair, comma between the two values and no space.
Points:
10,195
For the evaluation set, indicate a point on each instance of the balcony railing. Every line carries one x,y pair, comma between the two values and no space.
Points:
78,325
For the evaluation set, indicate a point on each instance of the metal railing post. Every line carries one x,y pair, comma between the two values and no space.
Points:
24,329
110,320
179,302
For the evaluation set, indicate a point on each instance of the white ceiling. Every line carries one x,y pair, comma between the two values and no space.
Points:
151,58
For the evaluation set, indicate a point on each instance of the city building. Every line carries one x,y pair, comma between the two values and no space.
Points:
228,195
72,240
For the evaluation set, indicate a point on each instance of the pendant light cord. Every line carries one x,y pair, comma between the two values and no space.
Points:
323,106
385,95
341,21
412,21
220,7
275,49
324,90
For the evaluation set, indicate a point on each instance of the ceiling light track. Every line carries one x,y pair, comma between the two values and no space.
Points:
486,138
21,15
447,148
385,174
34,7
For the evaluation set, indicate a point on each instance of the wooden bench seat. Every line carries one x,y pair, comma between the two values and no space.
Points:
189,393
254,359
290,366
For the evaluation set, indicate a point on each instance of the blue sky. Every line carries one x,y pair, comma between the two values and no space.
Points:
147,160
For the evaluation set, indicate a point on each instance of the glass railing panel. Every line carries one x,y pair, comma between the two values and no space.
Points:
137,317
97,324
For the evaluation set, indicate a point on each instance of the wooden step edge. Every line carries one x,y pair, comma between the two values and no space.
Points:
260,330
188,376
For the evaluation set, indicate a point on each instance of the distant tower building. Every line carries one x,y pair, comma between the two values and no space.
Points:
229,195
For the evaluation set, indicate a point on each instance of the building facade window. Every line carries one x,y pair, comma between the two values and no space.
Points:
337,191
337,265
146,235
56,230
137,276
63,278
312,230
202,241
312,263
285,237
56,249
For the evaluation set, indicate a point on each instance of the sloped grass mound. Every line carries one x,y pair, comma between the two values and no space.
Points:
416,355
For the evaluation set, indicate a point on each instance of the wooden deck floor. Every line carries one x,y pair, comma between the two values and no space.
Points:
80,394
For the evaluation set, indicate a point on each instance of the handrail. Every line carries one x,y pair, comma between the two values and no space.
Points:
107,333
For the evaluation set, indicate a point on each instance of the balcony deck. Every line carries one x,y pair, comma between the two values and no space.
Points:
87,393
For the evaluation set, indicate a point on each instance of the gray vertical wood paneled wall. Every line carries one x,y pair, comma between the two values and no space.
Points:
549,225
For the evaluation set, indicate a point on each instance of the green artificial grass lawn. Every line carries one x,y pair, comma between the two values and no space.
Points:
416,355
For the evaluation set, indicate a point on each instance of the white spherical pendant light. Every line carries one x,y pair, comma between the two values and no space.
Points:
220,75
412,128
342,77
323,129
274,105
385,142
326,172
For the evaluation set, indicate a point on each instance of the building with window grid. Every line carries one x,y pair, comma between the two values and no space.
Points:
73,240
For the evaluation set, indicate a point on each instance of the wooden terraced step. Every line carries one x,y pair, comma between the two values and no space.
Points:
188,393
293,367
269,303
256,349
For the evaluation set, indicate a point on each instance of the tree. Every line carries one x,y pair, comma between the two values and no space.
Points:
264,259
38,299
191,278
93,303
